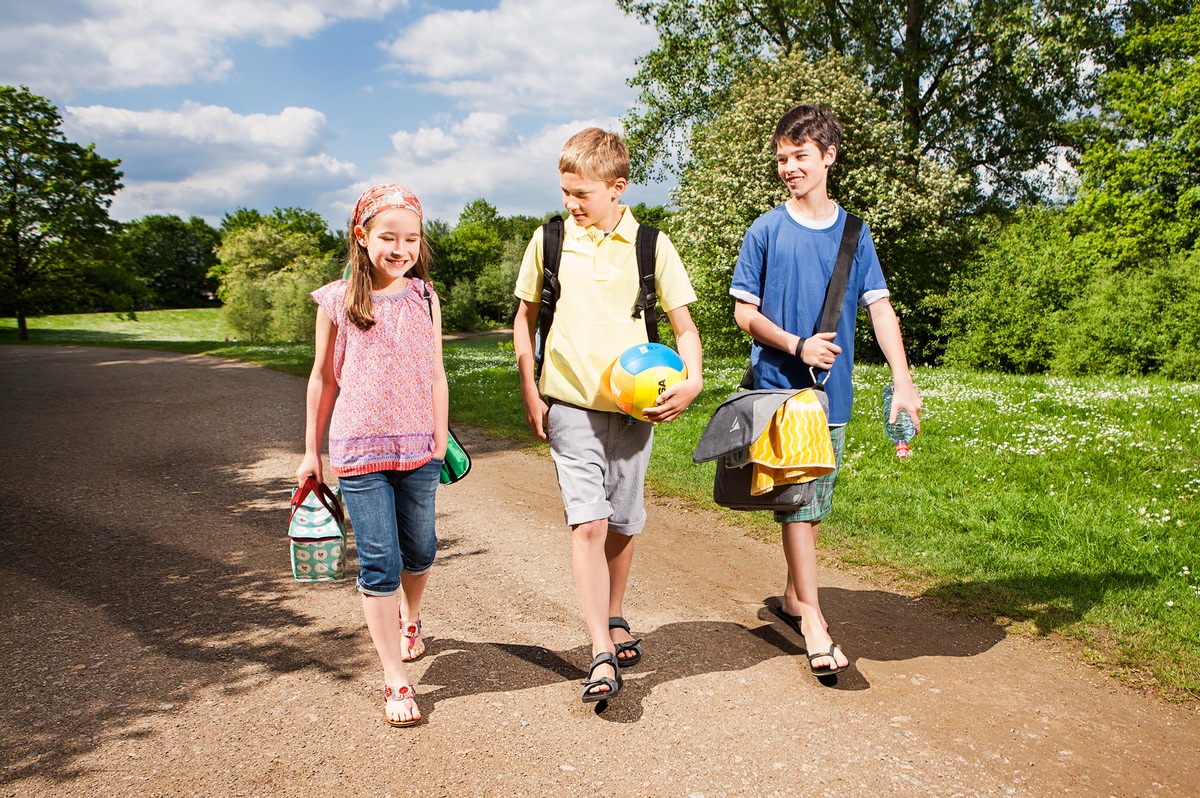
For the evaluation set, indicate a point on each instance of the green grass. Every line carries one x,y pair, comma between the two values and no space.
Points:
1050,506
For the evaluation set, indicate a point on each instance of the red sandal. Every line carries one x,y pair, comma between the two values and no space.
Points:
403,693
411,630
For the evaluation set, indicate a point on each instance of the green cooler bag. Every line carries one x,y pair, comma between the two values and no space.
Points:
317,533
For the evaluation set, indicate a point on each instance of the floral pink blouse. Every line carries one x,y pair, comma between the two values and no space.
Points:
383,418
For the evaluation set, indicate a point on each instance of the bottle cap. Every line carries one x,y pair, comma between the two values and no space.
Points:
902,449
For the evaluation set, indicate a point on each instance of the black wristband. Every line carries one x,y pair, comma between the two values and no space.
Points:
799,349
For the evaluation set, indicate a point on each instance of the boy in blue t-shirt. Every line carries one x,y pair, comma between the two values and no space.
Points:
779,284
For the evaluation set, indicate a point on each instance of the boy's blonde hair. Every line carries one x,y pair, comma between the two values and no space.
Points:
595,154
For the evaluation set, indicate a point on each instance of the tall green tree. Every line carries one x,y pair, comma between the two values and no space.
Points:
54,200
174,258
474,243
1140,192
985,87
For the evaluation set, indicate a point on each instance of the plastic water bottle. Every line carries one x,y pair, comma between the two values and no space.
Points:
902,431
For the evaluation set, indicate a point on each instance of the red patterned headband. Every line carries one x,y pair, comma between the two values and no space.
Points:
380,198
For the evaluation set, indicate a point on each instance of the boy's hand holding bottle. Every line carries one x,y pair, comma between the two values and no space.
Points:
901,415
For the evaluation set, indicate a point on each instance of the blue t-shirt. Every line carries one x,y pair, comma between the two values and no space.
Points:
797,261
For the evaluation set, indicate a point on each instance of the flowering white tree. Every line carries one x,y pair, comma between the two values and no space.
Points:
909,201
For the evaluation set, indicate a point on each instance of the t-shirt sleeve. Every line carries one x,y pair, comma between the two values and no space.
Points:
748,270
329,298
874,285
671,281
529,278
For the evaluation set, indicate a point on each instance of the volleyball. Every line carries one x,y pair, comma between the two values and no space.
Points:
641,374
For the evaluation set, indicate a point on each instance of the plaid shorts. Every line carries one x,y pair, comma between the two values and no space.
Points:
822,502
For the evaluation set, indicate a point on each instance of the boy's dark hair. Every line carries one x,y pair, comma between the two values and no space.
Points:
806,122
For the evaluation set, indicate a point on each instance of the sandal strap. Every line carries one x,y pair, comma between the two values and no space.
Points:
403,692
617,622
604,658
411,629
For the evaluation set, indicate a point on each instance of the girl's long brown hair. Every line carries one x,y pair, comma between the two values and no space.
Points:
358,294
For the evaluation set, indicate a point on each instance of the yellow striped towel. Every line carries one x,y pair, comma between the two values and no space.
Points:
795,447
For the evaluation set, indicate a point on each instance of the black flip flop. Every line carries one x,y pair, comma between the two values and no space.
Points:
829,670
785,616
617,622
614,685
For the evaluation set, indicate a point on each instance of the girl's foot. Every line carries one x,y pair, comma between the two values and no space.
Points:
789,612
411,645
399,706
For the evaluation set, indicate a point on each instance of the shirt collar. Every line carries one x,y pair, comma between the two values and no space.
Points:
626,229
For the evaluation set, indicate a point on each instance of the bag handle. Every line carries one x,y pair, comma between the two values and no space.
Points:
323,494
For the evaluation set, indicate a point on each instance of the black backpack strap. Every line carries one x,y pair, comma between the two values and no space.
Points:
553,233
835,294
647,298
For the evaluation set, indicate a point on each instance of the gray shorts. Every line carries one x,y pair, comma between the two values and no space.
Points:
601,461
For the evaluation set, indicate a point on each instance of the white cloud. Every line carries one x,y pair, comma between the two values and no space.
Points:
542,56
483,155
64,47
506,67
208,160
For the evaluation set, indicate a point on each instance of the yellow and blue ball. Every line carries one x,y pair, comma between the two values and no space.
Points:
641,374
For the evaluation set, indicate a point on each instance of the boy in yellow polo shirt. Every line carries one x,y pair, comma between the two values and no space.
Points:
599,452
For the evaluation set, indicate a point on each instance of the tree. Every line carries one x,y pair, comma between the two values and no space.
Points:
474,243
54,200
174,258
287,220
732,179
985,87
266,274
1140,190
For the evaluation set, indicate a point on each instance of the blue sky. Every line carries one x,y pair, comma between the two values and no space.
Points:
213,105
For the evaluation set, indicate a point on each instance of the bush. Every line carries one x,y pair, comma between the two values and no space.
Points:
459,310
1137,321
248,310
293,312
494,288
1012,309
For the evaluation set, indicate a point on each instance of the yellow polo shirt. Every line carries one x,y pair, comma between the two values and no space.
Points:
592,323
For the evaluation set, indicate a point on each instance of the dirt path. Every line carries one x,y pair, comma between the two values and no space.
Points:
154,642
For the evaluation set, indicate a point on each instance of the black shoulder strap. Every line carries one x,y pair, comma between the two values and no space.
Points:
647,299
553,233
835,294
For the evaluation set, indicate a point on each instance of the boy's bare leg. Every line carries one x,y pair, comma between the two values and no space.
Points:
590,565
618,549
412,589
800,595
380,612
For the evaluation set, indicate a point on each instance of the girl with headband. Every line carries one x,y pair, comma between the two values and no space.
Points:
379,386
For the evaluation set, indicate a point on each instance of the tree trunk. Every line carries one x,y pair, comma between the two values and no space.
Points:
22,327
913,61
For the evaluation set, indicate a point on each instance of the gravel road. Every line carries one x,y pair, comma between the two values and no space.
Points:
154,642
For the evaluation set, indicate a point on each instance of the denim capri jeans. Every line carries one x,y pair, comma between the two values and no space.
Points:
393,517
